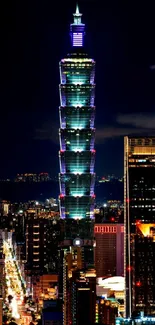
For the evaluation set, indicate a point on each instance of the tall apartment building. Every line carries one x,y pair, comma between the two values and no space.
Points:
42,236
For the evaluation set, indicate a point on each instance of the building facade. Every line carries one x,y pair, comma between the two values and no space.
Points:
80,298
139,215
42,237
109,249
77,133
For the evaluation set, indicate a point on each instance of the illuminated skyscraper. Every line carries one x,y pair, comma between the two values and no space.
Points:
139,215
77,133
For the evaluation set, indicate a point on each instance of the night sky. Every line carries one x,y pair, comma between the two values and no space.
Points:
35,36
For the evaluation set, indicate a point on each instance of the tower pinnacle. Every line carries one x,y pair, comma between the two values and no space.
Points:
77,29
77,9
77,16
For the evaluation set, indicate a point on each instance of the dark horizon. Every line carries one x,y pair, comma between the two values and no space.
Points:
23,192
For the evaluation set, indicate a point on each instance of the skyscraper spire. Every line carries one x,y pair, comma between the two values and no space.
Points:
77,9
77,16
77,29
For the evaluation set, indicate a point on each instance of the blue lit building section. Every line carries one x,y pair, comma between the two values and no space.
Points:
77,30
77,132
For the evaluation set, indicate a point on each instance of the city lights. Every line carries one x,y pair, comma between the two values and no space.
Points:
77,242
14,280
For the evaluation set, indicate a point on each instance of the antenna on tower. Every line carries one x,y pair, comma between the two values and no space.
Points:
77,29
77,9
77,15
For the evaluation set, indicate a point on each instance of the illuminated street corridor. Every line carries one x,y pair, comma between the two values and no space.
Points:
15,289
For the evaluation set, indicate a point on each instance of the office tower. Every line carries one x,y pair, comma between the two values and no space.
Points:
77,133
73,260
109,249
81,298
139,214
77,284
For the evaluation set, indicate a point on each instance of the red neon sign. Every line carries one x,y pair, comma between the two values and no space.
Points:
105,229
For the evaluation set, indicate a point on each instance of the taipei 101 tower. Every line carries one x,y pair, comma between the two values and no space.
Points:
77,134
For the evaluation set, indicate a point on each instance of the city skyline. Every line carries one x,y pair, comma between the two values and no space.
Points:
79,254
29,95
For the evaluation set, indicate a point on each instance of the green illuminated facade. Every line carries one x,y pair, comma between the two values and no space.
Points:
77,133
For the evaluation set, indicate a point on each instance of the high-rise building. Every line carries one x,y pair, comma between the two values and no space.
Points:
83,297
77,178
35,243
79,296
42,237
109,249
77,133
139,215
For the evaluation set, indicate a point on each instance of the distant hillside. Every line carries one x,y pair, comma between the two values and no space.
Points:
109,191
23,192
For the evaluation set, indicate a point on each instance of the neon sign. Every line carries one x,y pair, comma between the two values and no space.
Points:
105,229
